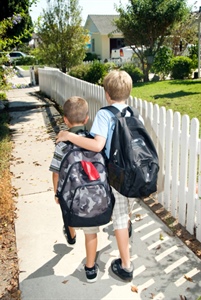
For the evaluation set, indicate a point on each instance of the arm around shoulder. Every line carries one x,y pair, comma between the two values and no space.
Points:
96,144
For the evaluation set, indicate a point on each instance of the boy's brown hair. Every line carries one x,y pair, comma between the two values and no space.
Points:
76,110
118,85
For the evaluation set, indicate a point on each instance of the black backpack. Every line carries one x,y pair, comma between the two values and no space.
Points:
133,161
84,193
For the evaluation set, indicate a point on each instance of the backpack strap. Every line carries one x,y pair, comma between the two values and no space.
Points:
84,132
133,111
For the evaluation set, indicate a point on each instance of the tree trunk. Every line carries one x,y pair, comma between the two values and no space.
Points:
146,72
63,69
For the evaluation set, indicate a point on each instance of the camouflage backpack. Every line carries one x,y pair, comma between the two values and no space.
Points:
84,193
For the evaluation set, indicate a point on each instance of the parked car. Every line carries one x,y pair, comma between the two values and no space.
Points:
17,54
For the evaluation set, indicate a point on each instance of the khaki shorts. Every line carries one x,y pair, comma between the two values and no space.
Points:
122,208
90,230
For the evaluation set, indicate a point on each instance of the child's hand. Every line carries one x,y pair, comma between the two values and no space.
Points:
62,136
56,200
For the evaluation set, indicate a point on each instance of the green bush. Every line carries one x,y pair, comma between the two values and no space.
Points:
80,71
96,72
36,52
91,57
193,54
26,60
162,62
3,82
2,96
181,67
135,73
4,60
110,66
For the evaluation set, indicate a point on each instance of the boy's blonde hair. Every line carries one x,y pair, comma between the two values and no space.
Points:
118,85
76,110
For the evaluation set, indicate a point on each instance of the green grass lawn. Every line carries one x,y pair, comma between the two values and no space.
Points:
25,67
183,96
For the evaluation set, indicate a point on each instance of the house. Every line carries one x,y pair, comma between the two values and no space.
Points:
34,41
104,35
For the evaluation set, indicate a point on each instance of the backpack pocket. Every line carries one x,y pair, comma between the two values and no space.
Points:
90,200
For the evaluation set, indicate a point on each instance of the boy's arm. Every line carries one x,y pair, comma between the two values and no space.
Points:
96,144
55,179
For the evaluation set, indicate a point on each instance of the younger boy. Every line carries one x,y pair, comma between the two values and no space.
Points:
117,86
75,117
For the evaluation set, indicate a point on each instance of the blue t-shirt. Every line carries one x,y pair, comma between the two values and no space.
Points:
103,125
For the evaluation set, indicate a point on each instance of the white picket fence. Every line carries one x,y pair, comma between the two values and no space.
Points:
176,138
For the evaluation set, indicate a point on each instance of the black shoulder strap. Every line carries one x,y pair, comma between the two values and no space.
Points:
111,108
133,111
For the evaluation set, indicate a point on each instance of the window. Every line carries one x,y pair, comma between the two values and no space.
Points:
93,45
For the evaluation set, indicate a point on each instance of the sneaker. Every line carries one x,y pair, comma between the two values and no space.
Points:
130,229
117,269
69,239
92,273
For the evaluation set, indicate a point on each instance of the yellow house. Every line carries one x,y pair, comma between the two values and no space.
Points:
103,35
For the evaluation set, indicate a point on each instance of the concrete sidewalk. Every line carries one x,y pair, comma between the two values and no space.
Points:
49,269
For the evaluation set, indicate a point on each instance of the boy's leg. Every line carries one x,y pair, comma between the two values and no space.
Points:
72,231
122,239
122,267
91,248
70,234
91,267
91,243
68,231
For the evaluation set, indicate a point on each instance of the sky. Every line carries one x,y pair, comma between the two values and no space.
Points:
93,7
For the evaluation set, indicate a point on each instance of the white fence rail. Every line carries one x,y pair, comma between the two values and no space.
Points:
176,138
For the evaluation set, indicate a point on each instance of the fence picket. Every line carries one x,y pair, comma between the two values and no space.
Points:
161,152
183,169
155,125
149,119
198,206
175,164
168,160
192,175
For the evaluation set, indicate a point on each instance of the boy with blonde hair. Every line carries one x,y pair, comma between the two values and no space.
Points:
117,86
75,117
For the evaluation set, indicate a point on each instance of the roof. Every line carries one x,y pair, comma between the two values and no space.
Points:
103,23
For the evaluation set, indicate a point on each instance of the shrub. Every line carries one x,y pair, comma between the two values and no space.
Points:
4,59
2,96
27,60
96,72
135,73
110,66
193,54
36,52
80,71
181,67
163,62
3,82
91,57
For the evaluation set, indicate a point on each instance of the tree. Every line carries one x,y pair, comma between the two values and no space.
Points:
146,23
183,34
22,30
62,39
6,42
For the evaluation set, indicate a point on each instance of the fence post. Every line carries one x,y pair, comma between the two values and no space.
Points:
32,76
